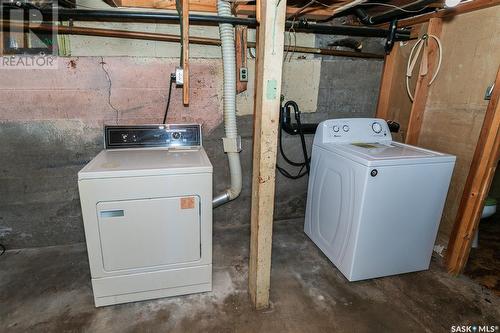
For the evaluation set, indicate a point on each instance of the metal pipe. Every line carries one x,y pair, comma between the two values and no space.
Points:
163,17
85,31
302,26
137,16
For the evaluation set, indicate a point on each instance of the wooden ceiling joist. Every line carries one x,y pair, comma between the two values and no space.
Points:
314,12
194,5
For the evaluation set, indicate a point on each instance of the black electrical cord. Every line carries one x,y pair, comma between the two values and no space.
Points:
307,159
2,249
172,79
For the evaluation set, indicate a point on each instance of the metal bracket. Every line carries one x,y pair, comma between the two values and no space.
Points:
232,145
489,92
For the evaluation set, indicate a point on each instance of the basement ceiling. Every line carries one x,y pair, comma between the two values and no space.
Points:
299,9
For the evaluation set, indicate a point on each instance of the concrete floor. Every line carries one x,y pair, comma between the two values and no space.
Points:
49,289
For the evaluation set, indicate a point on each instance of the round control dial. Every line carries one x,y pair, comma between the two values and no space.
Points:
376,127
336,128
176,135
345,128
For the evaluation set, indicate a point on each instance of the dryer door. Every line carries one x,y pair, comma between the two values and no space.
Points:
145,233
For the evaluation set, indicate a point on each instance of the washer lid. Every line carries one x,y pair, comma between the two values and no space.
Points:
387,153
145,162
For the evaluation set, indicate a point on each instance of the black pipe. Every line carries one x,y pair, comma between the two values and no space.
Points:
129,16
135,16
294,129
396,13
304,26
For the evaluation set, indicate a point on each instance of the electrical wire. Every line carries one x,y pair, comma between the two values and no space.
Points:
393,6
421,44
288,175
172,79
375,4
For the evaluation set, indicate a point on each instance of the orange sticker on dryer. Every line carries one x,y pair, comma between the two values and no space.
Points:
187,203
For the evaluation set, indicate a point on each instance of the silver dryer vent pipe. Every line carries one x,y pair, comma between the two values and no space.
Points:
232,142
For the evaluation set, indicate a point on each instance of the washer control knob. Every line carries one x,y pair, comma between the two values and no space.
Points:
376,127
176,135
336,128
345,128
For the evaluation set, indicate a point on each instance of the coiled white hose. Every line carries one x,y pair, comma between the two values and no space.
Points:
226,32
412,59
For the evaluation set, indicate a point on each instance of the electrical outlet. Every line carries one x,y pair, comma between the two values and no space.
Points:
243,74
179,76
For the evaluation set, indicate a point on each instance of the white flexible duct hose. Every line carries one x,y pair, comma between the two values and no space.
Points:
412,61
229,70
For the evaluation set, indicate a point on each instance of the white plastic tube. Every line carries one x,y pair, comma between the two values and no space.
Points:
229,69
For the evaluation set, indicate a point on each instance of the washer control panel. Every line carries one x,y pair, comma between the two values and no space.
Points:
347,130
145,136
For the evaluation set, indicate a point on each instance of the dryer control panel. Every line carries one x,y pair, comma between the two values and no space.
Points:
147,136
348,130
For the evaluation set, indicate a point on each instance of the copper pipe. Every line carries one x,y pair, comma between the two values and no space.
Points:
72,30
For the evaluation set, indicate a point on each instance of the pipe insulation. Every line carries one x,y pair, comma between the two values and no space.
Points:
232,142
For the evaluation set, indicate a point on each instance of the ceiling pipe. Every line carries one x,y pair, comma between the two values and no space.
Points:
163,17
138,16
304,26
142,35
396,13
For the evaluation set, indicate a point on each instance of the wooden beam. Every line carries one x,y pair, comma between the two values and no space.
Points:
422,87
241,56
462,8
314,13
386,83
195,5
477,185
185,51
270,43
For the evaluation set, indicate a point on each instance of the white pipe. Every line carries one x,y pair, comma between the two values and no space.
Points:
231,142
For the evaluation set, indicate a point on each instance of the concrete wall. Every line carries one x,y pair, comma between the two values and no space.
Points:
51,125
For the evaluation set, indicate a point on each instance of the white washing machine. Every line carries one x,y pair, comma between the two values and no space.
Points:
374,205
147,211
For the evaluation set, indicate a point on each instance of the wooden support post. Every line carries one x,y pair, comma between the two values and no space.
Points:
477,185
185,51
386,83
241,56
422,88
270,42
